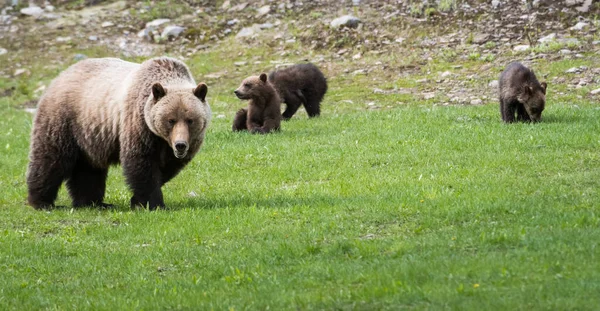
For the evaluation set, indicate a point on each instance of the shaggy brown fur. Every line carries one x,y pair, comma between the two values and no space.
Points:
302,84
150,117
263,114
521,92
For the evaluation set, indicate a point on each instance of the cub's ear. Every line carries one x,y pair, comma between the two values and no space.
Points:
200,91
158,91
544,86
263,77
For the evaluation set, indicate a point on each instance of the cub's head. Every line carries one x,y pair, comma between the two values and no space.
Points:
179,115
252,87
533,98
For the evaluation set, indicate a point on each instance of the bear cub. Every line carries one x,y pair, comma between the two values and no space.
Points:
150,117
521,93
302,84
263,114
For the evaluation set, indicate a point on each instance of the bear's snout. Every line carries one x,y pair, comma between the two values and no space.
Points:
180,146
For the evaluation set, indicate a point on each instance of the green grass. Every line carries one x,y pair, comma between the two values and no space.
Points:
422,207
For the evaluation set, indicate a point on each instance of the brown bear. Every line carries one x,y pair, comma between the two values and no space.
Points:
302,84
150,117
263,114
521,92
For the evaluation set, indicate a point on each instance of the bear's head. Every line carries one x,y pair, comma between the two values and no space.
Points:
179,115
533,97
254,87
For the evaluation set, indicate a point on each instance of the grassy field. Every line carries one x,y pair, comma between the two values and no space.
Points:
412,206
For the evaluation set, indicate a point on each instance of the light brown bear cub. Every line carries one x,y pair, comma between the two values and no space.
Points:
150,117
521,92
263,114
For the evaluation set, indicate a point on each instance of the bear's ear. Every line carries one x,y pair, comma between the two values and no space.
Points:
263,77
527,91
544,86
200,91
158,91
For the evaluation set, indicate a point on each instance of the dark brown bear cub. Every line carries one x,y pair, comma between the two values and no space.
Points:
263,114
521,93
302,84
150,117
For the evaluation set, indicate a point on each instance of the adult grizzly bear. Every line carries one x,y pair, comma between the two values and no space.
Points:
263,114
302,84
150,117
521,92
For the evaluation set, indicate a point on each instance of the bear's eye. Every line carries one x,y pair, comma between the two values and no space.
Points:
247,85
189,121
172,121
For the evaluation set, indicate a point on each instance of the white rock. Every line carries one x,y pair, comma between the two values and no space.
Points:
345,21
264,10
107,24
579,26
34,11
573,70
493,84
248,32
445,74
49,8
93,38
595,92
357,56
226,5
521,48
172,31
428,95
565,52
63,39
240,64
548,38
3,51
495,4
476,101
157,22
19,72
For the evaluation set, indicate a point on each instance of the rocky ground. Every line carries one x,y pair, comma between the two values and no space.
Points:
385,39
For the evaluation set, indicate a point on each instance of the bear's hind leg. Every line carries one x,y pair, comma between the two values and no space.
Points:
87,184
239,121
292,103
312,106
50,163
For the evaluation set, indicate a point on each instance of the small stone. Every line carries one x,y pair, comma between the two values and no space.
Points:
493,84
79,57
49,8
93,38
579,26
192,194
157,22
246,32
226,5
239,7
265,26
107,24
595,92
357,56
172,32
495,4
239,64
565,52
422,81
573,70
263,11
481,38
3,51
34,11
549,38
521,48
359,72
345,21
476,102
63,39
233,22
19,72
445,74
428,95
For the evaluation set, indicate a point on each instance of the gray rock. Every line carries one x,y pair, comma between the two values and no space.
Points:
521,48
172,32
107,24
493,84
595,92
79,57
579,26
565,52
157,22
93,38
233,21
263,10
345,21
265,26
573,70
226,5
549,38
495,4
476,102
248,32
19,72
481,38
239,7
240,64
3,51
34,11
